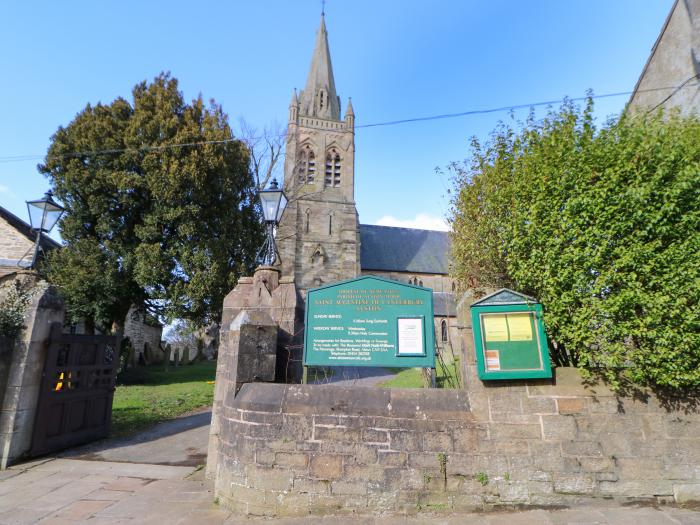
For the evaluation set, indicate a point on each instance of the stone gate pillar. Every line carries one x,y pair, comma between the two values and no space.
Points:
260,329
22,365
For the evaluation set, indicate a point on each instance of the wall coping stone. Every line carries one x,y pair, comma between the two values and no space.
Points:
354,401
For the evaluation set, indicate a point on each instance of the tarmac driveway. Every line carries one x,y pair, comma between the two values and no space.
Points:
178,442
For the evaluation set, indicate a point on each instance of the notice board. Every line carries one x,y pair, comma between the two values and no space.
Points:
509,337
369,321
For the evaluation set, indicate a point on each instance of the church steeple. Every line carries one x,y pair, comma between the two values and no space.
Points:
319,98
318,236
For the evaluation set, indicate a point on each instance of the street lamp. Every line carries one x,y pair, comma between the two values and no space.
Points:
273,201
43,216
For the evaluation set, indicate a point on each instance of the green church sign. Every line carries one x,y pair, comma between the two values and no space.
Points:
509,337
369,321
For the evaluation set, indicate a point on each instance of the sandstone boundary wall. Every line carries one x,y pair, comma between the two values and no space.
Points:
295,449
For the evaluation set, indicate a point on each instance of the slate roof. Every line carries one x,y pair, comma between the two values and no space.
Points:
388,248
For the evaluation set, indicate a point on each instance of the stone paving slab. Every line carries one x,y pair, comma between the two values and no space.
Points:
137,470
68,492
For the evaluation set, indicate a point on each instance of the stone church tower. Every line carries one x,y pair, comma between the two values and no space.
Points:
318,238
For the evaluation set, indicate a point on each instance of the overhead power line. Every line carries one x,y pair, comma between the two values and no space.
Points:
512,107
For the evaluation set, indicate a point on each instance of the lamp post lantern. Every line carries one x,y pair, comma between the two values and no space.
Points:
273,201
43,216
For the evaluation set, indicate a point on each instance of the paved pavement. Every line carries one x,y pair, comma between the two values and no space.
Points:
66,491
182,441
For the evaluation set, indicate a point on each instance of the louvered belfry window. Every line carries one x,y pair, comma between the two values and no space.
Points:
332,178
307,165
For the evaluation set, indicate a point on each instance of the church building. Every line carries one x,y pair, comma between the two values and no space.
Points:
320,238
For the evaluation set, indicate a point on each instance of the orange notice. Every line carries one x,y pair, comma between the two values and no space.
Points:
493,360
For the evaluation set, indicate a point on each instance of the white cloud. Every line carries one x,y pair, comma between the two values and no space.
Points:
422,221
5,190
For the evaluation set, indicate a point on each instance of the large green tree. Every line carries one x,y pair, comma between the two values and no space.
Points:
603,226
160,207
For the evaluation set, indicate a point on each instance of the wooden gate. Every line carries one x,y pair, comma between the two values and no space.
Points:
77,388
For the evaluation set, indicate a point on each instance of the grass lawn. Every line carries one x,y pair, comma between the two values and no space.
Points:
146,395
412,377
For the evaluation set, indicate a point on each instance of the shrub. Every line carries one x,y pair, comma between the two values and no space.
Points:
13,306
602,226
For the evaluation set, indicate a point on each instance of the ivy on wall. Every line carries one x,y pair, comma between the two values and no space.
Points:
602,225
13,307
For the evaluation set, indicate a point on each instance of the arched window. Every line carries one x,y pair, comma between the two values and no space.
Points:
443,330
308,215
454,287
332,169
307,165
420,283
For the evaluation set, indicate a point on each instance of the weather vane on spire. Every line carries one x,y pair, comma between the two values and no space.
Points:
323,7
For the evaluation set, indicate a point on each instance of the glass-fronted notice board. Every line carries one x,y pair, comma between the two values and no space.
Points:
509,337
369,321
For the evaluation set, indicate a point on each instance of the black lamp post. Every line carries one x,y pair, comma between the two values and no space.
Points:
43,216
273,201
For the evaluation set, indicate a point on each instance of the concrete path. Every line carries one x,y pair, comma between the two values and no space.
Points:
71,491
181,441
357,376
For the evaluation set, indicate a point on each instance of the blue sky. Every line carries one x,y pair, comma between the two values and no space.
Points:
396,59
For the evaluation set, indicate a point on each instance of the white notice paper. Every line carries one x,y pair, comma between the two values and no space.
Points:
410,335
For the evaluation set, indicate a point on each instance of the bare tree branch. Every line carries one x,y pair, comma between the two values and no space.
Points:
266,149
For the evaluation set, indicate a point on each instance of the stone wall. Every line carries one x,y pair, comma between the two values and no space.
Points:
292,450
141,334
299,449
22,368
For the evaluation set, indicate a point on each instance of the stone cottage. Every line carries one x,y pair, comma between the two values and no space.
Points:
17,241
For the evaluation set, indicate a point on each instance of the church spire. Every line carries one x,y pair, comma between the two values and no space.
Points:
319,98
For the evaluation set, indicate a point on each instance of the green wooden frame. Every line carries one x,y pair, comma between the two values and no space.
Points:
535,309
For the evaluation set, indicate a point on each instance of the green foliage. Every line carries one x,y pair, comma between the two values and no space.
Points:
146,395
482,478
147,221
13,307
602,226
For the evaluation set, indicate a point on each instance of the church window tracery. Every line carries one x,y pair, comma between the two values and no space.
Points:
307,165
333,164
